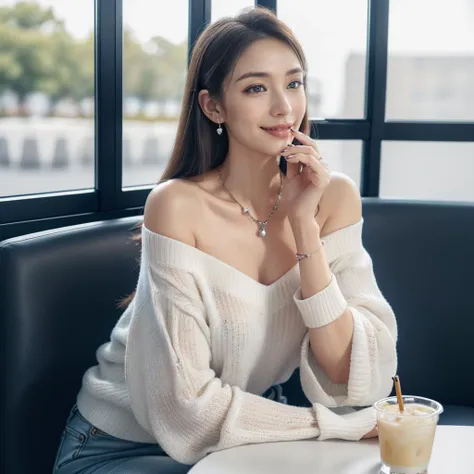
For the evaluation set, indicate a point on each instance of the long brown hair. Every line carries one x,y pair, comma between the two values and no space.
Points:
197,148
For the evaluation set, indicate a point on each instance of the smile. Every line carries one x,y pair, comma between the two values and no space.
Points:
280,131
285,127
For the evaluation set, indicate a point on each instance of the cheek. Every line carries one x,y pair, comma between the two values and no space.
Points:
244,114
248,107
298,104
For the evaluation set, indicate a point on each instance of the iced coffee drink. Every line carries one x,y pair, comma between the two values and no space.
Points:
406,438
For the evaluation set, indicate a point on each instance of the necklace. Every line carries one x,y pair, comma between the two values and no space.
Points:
262,225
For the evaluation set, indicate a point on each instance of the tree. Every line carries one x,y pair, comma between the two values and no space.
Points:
26,60
84,55
68,75
171,59
154,71
37,53
29,16
134,60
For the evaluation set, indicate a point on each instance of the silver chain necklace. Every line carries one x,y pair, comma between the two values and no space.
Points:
262,225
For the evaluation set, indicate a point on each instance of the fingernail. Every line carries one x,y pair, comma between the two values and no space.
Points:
292,129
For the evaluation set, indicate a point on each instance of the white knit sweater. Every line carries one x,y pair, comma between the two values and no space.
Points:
201,340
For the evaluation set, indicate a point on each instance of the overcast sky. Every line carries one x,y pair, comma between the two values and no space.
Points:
421,25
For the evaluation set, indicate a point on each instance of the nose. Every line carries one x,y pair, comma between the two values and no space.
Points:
280,104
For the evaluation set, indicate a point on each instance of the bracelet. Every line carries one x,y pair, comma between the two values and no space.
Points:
301,256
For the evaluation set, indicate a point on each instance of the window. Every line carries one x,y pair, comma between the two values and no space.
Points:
431,59
155,48
344,156
333,36
376,69
441,171
46,96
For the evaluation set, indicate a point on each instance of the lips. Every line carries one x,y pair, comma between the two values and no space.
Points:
278,128
279,131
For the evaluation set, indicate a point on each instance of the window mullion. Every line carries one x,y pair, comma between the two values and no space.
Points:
377,51
108,60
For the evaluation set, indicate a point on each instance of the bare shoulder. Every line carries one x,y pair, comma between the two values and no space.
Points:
342,203
172,209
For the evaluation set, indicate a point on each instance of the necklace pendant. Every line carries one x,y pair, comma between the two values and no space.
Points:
262,232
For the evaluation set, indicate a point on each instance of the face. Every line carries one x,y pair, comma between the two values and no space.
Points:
263,97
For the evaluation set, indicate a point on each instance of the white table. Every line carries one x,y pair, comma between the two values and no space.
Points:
453,453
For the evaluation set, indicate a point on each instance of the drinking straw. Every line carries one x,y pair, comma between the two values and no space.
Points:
398,391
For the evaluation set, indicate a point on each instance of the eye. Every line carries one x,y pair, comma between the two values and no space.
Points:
295,84
254,89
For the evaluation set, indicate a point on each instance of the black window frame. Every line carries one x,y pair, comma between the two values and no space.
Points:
26,214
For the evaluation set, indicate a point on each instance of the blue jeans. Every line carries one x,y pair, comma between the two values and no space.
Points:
84,449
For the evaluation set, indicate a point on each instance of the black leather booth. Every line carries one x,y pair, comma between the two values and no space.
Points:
59,290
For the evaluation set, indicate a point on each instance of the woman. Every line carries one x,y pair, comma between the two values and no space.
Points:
247,272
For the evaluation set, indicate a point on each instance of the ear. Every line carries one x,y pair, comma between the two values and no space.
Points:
210,107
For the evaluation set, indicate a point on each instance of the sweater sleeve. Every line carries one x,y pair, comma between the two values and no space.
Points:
373,356
177,397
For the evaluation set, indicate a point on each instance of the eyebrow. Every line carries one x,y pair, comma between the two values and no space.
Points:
266,74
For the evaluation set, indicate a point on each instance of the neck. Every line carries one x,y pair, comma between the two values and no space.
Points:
253,180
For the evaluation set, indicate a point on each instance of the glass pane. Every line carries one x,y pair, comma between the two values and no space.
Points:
440,171
344,156
46,96
431,61
333,35
155,49
221,8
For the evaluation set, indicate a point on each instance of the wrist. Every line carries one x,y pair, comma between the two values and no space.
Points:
306,234
300,225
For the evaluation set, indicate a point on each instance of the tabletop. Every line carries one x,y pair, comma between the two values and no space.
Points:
453,453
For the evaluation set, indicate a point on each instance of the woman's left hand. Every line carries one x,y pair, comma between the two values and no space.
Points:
304,190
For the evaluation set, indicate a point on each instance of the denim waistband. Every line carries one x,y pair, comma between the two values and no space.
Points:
79,424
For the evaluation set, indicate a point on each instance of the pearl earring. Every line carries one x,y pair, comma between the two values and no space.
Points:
219,129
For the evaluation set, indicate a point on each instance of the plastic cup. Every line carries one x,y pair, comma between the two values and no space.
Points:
406,438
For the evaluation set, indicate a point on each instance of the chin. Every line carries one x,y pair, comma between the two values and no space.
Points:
268,146
271,151
274,146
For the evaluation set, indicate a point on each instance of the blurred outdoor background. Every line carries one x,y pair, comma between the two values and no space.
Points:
47,125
